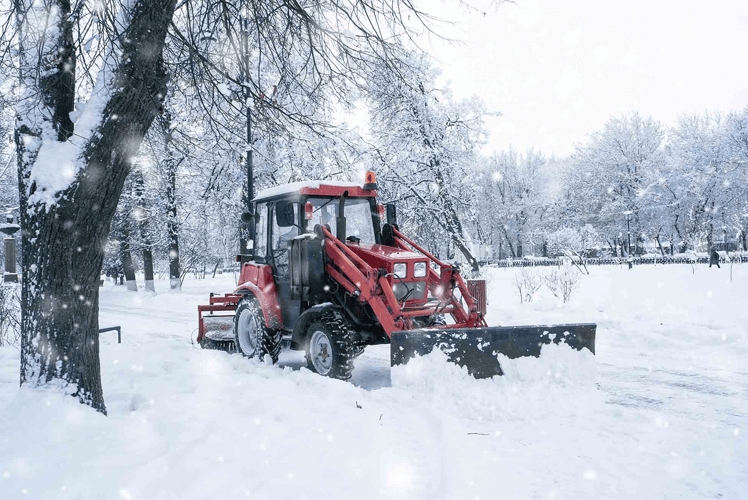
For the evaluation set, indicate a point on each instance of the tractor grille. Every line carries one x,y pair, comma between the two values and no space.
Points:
418,287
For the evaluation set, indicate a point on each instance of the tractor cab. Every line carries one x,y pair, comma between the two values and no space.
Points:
284,214
286,218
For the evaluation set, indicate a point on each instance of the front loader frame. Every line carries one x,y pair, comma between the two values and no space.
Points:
449,278
370,286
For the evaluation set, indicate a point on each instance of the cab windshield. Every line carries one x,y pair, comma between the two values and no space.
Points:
358,217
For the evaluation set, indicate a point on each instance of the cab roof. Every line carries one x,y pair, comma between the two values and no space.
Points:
316,188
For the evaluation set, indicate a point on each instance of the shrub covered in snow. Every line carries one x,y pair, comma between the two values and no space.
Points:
528,282
572,240
562,281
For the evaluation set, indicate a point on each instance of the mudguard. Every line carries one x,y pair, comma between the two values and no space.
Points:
257,279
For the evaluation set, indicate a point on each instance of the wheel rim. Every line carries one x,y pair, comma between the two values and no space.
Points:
246,330
320,350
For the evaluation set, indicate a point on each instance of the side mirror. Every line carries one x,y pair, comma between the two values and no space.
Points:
391,214
284,214
248,217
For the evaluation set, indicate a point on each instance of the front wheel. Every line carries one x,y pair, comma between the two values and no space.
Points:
329,350
253,338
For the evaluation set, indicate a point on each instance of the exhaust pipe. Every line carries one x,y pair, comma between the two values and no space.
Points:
341,217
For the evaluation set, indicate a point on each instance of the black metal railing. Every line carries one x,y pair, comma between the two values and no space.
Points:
118,329
606,261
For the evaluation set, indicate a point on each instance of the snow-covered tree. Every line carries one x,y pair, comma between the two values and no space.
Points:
698,176
618,170
570,240
425,145
513,199
736,174
72,162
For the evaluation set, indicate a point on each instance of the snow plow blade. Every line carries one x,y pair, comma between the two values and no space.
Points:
476,348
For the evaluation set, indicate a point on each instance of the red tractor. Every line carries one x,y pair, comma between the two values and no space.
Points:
327,275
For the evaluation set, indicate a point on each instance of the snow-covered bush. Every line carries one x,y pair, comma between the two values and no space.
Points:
528,282
572,240
10,313
563,239
562,281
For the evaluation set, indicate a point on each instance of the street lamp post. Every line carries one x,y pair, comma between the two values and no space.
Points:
628,214
9,228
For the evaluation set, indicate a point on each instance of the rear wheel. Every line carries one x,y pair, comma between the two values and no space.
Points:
253,338
329,350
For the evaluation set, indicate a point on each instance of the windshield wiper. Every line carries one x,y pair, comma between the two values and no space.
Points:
323,205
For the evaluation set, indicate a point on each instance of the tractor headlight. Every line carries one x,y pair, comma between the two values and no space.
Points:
401,270
419,271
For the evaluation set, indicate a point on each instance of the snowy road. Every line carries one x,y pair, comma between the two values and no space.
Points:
660,412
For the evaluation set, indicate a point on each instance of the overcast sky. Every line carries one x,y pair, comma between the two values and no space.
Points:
558,69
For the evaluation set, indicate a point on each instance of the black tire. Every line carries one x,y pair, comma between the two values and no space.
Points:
252,337
329,347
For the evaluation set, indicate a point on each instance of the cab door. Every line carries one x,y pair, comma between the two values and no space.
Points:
285,218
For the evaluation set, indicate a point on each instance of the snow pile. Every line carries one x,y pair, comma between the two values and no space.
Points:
561,382
661,410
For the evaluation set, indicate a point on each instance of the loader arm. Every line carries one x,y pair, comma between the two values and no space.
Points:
371,286
363,281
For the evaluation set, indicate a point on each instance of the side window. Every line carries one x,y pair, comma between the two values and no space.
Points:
359,220
261,233
325,212
287,230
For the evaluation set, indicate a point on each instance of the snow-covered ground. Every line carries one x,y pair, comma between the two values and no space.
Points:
660,412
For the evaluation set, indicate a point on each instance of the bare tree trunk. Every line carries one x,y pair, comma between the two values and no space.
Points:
150,284
175,280
126,256
613,248
65,229
508,241
143,226
657,239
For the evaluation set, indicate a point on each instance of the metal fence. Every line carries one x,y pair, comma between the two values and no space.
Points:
612,261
